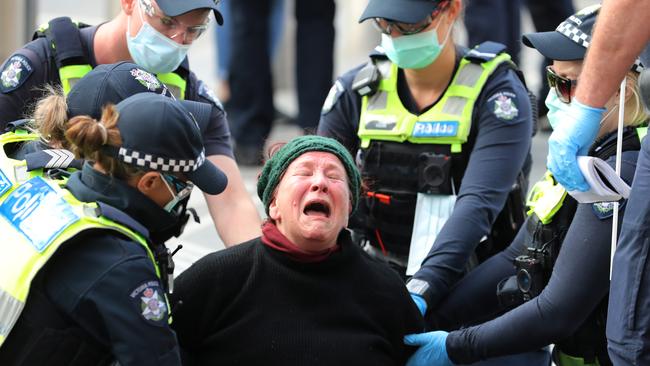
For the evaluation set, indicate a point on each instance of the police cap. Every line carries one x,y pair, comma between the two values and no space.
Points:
406,11
569,41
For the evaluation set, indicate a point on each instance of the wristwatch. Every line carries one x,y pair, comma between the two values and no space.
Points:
419,287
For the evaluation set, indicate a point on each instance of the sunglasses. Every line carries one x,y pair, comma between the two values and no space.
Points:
182,189
386,26
562,85
170,26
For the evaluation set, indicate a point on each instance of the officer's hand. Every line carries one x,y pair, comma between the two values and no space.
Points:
420,302
432,349
574,132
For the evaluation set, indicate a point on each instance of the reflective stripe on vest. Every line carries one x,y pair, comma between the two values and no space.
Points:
175,83
70,75
642,131
545,198
16,170
449,121
565,360
36,218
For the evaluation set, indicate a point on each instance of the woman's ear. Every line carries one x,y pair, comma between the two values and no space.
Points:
128,6
148,182
454,9
274,212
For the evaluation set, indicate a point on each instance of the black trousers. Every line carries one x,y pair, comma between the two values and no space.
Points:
499,21
250,107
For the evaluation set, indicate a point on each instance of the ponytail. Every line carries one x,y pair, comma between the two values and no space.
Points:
87,136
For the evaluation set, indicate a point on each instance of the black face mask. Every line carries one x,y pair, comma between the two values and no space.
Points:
175,226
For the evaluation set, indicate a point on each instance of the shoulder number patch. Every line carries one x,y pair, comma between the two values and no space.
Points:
332,97
208,94
503,105
14,73
149,298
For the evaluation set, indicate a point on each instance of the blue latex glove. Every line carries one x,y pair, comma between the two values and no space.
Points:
575,131
420,302
432,351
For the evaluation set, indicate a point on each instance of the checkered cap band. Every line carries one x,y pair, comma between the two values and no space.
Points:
638,66
569,30
576,35
149,161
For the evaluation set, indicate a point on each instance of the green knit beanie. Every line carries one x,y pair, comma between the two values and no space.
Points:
274,167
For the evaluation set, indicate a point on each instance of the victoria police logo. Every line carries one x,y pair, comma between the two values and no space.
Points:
11,74
148,80
504,106
604,210
150,300
15,71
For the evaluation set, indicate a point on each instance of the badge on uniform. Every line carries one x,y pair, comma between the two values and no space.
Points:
504,106
149,298
332,97
605,210
14,73
208,94
147,79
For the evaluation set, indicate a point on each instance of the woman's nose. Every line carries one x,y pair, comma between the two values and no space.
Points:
319,183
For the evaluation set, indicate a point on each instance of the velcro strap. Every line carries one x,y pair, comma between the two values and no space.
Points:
485,51
67,42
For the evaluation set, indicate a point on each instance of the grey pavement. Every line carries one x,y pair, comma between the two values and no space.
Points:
352,45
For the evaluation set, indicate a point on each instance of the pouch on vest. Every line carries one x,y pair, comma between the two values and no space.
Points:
431,214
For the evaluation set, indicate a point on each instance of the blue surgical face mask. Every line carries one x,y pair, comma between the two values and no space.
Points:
414,51
554,105
153,50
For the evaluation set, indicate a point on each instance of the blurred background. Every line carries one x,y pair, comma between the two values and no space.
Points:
353,41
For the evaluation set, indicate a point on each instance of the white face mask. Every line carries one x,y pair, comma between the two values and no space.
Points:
153,50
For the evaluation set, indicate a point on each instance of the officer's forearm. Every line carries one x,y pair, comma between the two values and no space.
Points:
620,35
233,211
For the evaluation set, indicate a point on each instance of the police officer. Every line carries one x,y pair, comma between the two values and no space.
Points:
85,276
156,35
558,290
431,123
105,84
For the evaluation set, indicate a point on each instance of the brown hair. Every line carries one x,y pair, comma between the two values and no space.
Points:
87,136
51,116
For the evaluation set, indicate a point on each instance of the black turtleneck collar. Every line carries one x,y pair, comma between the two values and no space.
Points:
89,185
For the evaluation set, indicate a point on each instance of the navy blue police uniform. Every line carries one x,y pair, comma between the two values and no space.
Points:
570,304
483,181
628,321
116,310
28,69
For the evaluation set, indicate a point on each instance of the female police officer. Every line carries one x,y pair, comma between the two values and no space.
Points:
432,123
566,288
92,257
